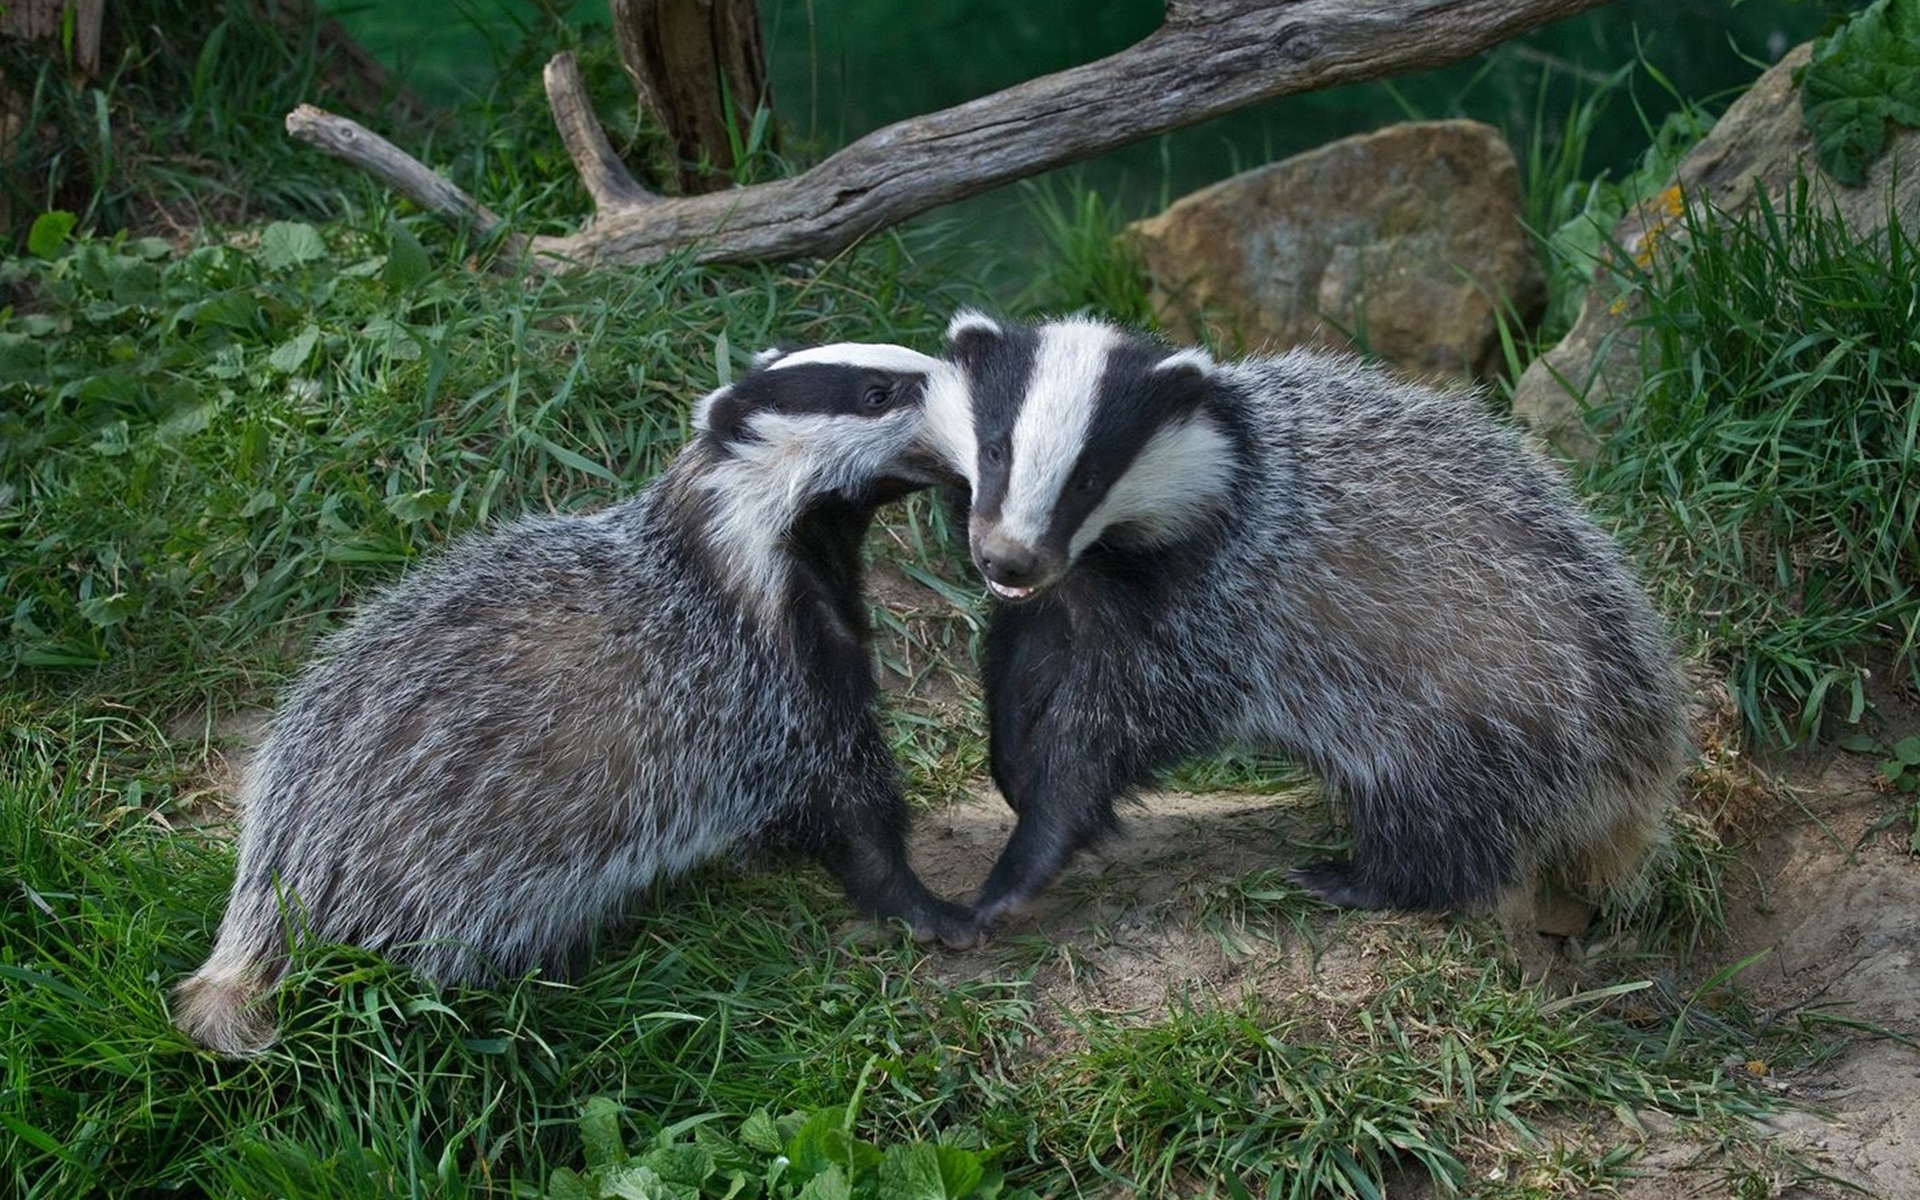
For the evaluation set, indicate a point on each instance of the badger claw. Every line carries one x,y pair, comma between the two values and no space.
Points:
1331,882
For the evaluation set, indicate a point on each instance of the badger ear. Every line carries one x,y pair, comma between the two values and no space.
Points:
1194,362
719,414
970,335
768,357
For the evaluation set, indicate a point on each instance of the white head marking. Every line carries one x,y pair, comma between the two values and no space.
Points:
1054,419
881,356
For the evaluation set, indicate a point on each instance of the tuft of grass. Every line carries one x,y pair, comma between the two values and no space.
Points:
381,1086
1444,1070
182,126
1771,457
1090,265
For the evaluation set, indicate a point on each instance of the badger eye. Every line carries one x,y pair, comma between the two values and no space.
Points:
876,397
1087,481
993,454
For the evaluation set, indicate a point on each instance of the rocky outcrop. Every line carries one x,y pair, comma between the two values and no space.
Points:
1405,242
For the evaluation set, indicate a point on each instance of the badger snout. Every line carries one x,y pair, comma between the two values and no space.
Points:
1013,570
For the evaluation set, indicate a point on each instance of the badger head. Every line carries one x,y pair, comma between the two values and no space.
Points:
845,419
1071,433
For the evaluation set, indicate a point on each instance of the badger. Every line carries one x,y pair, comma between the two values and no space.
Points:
1300,553
491,759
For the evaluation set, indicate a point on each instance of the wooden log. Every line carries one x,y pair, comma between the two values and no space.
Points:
1210,57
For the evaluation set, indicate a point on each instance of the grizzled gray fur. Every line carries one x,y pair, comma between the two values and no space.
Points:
493,758
1305,554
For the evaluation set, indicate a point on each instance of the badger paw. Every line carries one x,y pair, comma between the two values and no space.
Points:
954,926
1332,882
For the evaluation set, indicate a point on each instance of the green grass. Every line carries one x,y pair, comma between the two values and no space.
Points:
739,998
1770,462
198,449
182,125
208,452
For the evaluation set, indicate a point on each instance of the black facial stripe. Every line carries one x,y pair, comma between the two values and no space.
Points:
824,388
999,384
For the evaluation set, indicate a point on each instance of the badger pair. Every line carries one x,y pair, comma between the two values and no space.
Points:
1299,553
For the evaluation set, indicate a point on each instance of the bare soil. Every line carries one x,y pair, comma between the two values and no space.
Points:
1140,924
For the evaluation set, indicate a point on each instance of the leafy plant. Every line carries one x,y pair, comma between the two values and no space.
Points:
1901,770
803,1156
1862,78
1899,767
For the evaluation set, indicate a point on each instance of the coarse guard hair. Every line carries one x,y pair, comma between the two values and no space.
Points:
492,759
1301,553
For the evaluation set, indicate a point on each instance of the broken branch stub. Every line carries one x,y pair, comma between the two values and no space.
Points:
1210,57
701,71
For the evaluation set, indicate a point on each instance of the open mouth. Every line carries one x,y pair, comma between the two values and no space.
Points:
1008,593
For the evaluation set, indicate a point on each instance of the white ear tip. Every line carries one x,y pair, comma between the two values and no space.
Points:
1195,360
767,357
969,320
704,408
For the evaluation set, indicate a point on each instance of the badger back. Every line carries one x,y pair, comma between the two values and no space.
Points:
1075,432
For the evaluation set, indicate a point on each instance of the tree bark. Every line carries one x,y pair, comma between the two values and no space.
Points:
46,22
1210,57
699,67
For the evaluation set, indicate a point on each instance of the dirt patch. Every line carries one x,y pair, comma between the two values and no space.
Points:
1150,920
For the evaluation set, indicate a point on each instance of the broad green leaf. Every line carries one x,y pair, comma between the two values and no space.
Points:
291,355
759,1133
1866,75
686,1164
109,610
413,507
50,232
928,1172
820,1143
289,243
407,261
567,1184
830,1184
637,1181
600,1130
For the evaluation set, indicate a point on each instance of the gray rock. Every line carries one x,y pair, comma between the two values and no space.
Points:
1761,143
1406,239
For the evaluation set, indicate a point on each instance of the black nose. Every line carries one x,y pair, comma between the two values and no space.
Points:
1006,561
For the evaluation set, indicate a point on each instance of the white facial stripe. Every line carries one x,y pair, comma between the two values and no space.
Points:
1053,422
881,356
949,421
1179,477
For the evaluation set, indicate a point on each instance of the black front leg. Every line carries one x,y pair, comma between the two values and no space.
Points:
1061,775
1054,824
864,844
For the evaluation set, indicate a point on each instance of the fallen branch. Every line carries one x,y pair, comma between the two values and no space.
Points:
1210,57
